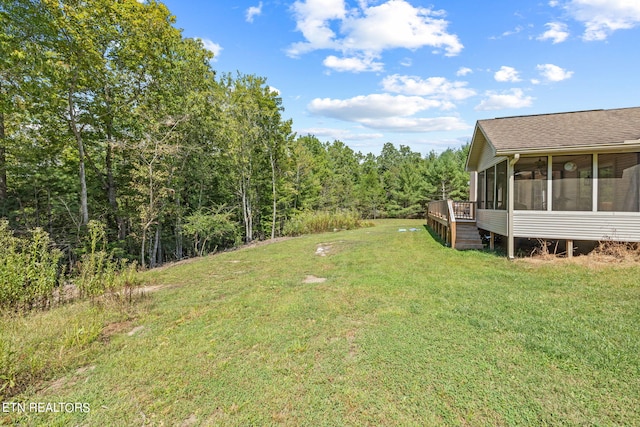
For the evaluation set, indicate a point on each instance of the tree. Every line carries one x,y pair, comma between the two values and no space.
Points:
309,161
339,186
371,194
447,177
404,178
20,70
255,138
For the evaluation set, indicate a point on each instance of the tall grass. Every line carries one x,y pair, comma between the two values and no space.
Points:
40,345
322,221
98,272
35,345
28,269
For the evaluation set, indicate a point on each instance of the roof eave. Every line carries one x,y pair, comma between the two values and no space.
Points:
570,149
472,147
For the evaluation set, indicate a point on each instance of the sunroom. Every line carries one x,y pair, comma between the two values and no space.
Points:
568,176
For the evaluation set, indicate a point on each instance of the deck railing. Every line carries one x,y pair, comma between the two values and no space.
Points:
442,216
438,209
449,209
464,210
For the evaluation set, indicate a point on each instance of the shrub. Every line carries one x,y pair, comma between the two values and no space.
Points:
323,221
28,268
98,271
210,229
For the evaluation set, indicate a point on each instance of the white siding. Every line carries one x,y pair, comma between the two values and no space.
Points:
622,226
493,220
487,158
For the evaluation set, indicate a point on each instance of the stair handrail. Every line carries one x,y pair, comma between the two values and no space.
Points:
451,218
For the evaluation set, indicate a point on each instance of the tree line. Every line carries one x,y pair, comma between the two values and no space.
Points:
109,114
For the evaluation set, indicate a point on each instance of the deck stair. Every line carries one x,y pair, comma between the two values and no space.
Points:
455,223
468,236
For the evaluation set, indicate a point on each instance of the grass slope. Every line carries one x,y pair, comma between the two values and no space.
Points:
402,332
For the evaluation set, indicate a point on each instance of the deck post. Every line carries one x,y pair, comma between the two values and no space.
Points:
570,248
492,240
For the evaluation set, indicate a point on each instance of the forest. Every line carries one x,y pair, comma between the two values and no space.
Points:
112,120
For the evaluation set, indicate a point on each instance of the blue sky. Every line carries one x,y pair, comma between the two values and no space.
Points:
420,73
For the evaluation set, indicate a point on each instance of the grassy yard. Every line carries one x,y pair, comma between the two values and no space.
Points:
402,332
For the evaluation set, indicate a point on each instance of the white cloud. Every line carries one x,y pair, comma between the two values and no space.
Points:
313,21
353,64
254,11
463,71
375,106
603,17
557,32
274,89
410,124
387,112
434,87
397,24
212,47
513,98
516,30
553,73
406,62
507,74
366,31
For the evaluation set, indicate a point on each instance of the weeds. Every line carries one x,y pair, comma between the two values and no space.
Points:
28,269
44,344
622,251
35,345
323,221
98,272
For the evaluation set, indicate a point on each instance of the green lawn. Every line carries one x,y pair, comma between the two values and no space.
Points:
402,332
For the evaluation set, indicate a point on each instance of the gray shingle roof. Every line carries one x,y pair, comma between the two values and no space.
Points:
554,131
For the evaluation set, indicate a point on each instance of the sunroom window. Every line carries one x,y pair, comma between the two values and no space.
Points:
619,182
530,184
572,183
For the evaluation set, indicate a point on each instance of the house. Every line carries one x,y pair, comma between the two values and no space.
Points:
567,176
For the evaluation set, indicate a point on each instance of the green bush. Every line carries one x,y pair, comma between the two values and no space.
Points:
98,271
28,269
210,229
323,221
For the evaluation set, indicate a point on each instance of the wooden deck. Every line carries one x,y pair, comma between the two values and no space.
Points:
455,223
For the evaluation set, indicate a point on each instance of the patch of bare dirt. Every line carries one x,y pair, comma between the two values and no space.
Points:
351,340
149,289
116,328
313,279
191,421
63,382
65,293
323,249
135,330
